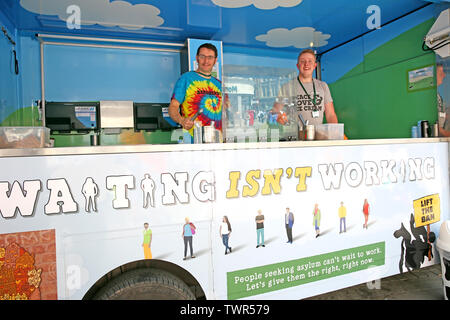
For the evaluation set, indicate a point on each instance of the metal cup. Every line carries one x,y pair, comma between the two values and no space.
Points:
95,139
301,132
310,132
414,133
198,132
435,130
419,129
424,125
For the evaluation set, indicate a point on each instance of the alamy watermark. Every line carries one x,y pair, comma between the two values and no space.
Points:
374,20
73,21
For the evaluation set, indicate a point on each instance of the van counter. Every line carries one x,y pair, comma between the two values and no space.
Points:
355,210
210,147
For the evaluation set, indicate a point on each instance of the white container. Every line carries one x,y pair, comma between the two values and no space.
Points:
198,132
330,131
443,245
24,137
310,132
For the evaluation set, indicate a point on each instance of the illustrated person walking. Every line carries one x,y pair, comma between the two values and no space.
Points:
316,219
188,232
289,221
259,229
225,232
365,211
342,212
147,242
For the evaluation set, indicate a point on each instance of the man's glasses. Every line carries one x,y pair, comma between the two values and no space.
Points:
303,62
203,57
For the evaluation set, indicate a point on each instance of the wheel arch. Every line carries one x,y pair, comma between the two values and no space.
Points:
169,267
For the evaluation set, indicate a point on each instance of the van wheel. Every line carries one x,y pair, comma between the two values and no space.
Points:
145,284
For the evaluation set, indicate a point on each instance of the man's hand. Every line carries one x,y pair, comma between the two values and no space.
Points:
174,113
187,123
443,132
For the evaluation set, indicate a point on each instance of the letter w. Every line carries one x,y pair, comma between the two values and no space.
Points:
331,175
17,198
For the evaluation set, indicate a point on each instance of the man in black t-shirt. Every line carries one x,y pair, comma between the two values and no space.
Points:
260,229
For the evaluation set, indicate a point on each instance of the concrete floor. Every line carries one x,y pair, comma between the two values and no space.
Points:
423,284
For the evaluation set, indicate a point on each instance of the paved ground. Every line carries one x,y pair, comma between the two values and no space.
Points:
422,284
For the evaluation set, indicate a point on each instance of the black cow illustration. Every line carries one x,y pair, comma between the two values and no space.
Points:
414,251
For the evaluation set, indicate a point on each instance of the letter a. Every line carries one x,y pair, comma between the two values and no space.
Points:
374,21
60,197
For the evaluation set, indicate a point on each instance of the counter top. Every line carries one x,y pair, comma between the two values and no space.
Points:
207,147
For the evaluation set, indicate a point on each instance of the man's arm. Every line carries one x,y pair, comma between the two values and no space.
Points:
443,132
330,114
175,115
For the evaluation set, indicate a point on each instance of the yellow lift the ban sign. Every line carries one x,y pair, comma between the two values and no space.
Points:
427,210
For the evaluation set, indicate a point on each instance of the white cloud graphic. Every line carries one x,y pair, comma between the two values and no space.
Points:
301,37
260,4
102,12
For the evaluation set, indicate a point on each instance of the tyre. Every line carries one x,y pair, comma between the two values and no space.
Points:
145,284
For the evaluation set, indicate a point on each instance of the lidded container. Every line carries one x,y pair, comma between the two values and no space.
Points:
211,134
24,137
330,131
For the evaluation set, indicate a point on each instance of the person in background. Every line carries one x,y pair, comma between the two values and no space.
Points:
312,97
277,115
188,232
147,242
342,212
316,219
443,112
197,90
225,232
289,221
259,229
366,211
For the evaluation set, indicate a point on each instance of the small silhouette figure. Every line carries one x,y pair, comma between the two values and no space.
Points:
148,187
90,192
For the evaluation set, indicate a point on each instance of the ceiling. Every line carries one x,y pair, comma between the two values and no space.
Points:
286,25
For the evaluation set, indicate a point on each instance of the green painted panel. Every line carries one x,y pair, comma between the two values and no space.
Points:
376,103
404,47
23,117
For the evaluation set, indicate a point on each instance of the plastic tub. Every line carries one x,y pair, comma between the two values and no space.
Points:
24,137
329,131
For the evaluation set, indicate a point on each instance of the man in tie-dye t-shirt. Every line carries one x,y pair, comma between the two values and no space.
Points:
197,90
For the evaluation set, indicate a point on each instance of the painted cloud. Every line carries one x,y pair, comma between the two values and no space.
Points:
301,37
260,4
102,12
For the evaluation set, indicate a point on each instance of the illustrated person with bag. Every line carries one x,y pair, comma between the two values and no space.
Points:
187,235
316,219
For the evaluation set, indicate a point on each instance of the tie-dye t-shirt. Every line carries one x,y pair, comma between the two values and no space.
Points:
194,92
